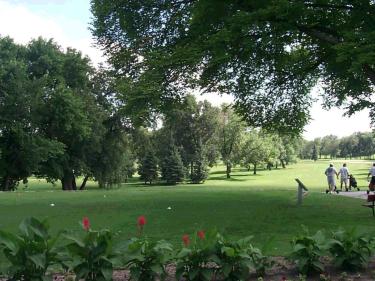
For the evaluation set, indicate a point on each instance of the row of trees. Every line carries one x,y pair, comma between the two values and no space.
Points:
360,144
62,119
195,135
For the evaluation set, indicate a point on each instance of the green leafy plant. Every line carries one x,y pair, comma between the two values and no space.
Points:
91,253
260,262
147,259
31,252
197,262
235,260
307,252
350,250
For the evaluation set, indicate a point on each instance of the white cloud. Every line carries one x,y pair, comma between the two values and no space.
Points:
22,25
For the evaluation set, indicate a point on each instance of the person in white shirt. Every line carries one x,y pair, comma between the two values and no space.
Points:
331,173
371,173
344,176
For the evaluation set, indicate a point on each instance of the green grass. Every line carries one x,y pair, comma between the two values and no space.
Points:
263,205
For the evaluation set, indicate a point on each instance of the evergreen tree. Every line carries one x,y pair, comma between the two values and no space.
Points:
148,169
199,171
314,155
172,167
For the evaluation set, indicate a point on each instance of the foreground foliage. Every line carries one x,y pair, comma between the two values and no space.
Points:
307,252
208,256
30,253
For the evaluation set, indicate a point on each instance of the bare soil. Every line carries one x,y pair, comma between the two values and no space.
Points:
281,271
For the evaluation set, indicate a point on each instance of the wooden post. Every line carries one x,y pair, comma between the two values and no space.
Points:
301,187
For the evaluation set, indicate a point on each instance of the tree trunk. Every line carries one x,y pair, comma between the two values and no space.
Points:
68,181
255,169
74,184
6,183
282,163
229,169
83,185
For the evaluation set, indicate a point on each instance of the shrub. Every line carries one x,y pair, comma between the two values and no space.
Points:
307,252
260,262
350,250
91,254
239,257
235,261
31,252
147,259
197,262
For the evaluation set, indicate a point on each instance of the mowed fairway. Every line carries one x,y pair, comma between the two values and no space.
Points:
263,205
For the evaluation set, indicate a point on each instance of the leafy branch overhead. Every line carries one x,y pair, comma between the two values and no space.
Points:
268,54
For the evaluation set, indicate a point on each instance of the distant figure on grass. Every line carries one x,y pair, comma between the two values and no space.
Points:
371,173
331,173
344,176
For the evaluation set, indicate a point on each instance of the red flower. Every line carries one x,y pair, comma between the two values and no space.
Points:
141,221
201,234
283,278
86,223
186,240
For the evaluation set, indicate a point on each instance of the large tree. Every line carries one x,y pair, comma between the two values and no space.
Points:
58,117
230,132
23,148
267,53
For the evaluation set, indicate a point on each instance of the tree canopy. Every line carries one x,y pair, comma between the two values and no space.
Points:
267,53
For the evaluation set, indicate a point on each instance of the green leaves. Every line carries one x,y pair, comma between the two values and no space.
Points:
307,252
350,250
31,252
91,255
147,259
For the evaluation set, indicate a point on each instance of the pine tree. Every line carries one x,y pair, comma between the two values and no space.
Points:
148,169
172,168
199,171
314,155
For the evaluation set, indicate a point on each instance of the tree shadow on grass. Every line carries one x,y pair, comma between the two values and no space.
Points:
224,178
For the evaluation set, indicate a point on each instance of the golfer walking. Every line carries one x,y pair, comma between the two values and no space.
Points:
344,176
331,174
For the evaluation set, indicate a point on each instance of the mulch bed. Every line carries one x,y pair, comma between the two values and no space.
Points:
283,270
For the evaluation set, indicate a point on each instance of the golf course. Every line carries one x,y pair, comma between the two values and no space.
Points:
262,205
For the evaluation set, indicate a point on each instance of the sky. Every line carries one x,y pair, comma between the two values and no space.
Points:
67,22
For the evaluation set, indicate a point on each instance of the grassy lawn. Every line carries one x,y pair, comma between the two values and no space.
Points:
262,205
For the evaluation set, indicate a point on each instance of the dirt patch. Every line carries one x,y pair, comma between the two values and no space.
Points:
282,270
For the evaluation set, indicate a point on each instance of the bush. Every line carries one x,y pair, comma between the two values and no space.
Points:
350,251
31,252
239,257
146,259
197,262
307,252
235,261
91,254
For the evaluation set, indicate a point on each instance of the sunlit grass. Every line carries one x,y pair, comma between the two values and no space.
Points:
263,205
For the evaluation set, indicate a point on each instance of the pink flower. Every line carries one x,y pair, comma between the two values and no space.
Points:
86,223
201,234
186,240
